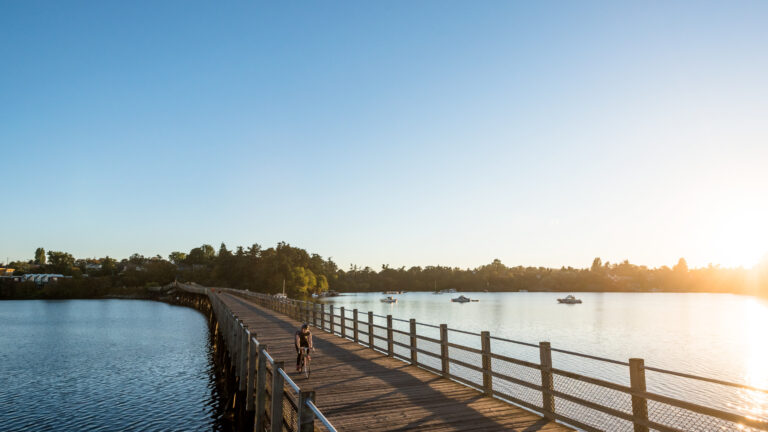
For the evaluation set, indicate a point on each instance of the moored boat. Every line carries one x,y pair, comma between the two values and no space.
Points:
569,299
389,299
461,299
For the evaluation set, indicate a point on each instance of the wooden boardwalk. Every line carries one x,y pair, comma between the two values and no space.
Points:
358,388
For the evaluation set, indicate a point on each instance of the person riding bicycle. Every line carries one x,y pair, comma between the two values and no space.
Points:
303,340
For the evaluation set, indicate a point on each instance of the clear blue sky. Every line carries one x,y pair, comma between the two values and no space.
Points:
405,133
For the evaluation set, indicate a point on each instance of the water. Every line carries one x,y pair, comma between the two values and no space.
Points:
721,336
105,365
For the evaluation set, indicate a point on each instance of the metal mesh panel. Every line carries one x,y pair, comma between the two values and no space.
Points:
516,371
600,395
684,419
464,372
290,416
591,417
426,359
517,391
403,339
379,343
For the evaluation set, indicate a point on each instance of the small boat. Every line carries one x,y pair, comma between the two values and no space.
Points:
281,295
389,299
392,292
569,299
461,299
448,291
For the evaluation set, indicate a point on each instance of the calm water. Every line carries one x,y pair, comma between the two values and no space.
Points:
715,335
105,365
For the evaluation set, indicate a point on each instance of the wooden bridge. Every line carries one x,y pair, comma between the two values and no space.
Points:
361,389
387,375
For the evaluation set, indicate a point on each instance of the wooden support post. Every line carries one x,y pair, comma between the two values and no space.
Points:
333,318
485,343
547,381
354,325
305,416
343,324
322,316
390,337
243,358
639,403
252,347
276,419
444,359
414,354
370,329
261,389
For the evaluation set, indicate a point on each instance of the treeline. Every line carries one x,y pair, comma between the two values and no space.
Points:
622,277
302,273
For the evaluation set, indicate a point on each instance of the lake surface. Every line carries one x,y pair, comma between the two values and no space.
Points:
105,365
721,336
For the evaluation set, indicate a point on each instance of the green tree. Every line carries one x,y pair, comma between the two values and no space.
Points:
108,265
40,256
597,264
177,257
61,262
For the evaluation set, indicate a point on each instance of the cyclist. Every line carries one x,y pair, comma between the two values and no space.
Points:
303,339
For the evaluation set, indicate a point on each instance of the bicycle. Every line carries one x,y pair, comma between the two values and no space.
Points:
305,360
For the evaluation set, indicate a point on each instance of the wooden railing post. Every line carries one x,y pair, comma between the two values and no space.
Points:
547,381
414,357
252,347
276,419
322,316
370,330
261,389
354,325
243,357
390,337
343,324
485,343
444,360
305,417
639,403
333,318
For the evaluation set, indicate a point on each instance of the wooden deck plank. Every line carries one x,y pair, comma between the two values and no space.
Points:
358,388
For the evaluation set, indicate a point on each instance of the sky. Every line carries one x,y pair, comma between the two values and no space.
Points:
401,133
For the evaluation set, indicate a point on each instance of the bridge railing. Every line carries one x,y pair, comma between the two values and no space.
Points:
616,398
279,403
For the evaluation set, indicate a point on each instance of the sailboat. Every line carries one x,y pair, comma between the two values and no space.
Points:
282,296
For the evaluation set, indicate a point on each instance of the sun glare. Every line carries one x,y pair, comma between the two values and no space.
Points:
741,240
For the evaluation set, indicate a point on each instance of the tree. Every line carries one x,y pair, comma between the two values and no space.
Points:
137,259
40,256
61,262
108,265
223,251
681,267
177,257
597,264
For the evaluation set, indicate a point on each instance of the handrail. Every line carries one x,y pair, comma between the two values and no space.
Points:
289,381
319,415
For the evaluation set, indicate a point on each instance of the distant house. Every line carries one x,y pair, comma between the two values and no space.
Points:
43,278
5,271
